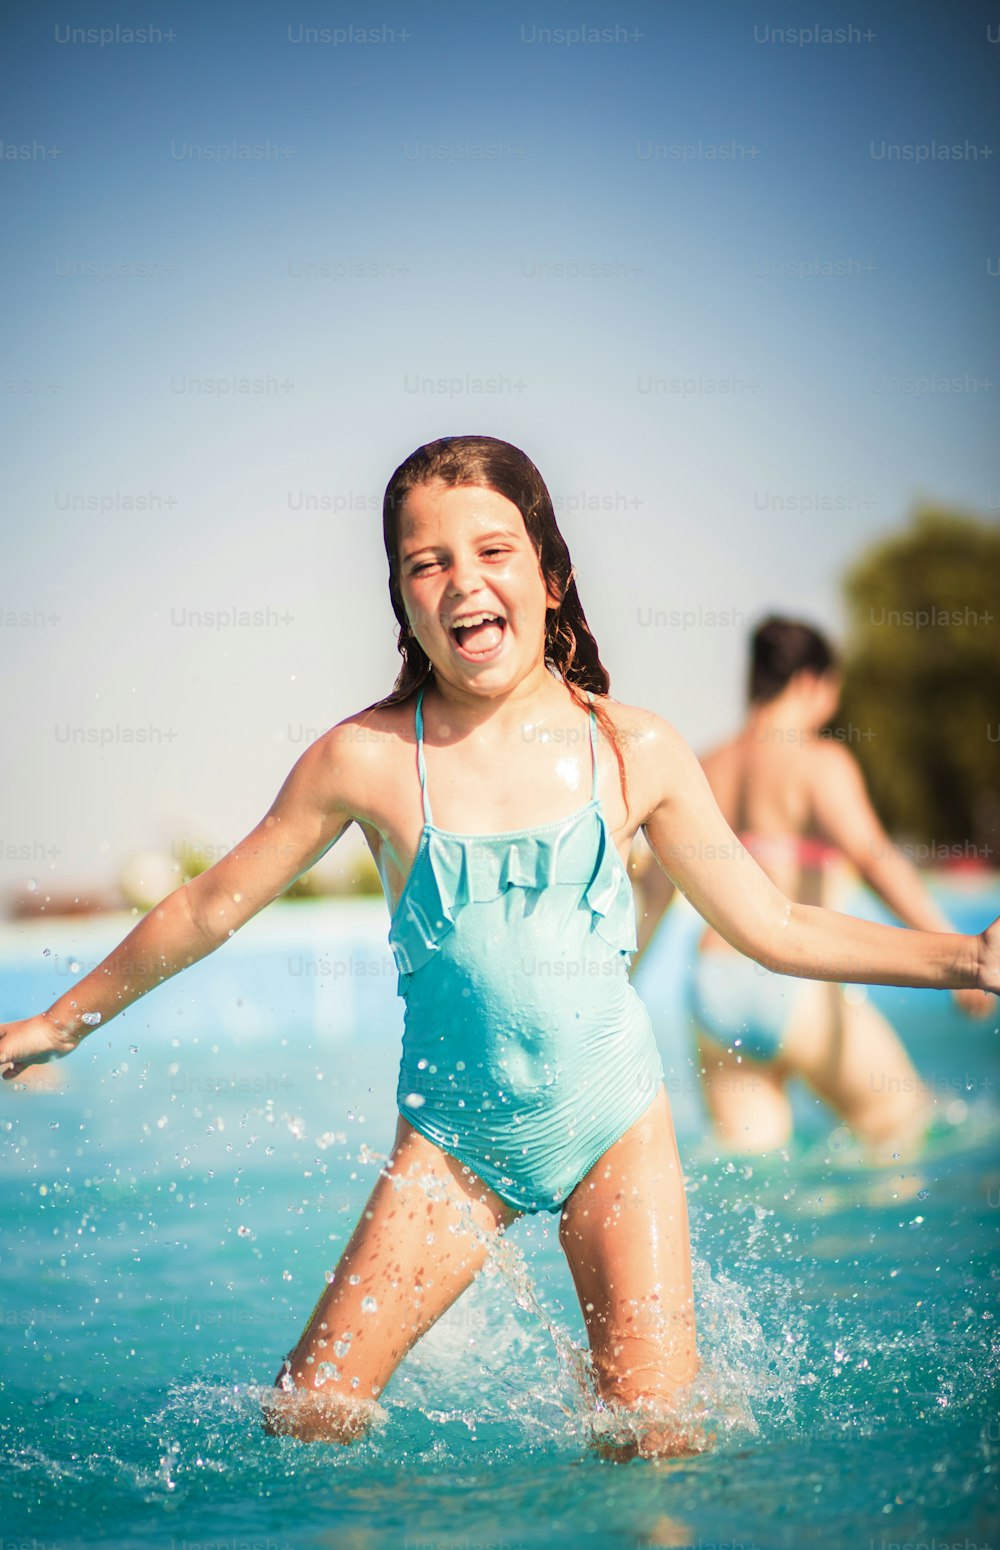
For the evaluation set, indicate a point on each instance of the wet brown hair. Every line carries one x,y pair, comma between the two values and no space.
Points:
570,648
780,648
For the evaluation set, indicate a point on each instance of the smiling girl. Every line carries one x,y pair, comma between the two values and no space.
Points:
499,788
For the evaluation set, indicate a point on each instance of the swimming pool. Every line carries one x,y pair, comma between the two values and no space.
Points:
169,1216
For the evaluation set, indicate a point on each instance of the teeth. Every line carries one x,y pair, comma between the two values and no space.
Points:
470,619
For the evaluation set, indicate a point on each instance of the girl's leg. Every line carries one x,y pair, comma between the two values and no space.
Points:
746,1100
624,1230
421,1240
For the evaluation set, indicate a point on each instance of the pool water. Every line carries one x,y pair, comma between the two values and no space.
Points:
170,1212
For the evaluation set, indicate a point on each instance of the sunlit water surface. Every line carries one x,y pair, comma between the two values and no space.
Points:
169,1216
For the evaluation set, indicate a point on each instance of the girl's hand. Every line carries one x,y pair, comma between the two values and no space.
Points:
31,1042
989,966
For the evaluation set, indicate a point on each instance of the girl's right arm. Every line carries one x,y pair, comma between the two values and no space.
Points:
310,812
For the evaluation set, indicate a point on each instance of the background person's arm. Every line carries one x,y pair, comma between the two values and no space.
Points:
655,893
843,813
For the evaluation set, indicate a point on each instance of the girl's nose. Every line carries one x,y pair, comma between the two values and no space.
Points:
464,576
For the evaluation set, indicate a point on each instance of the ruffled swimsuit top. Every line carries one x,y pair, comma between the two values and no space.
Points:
451,871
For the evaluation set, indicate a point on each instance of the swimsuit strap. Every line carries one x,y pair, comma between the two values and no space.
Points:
593,745
421,766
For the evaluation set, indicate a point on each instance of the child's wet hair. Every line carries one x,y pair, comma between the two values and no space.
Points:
492,464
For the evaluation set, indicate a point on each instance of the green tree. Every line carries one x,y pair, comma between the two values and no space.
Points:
921,703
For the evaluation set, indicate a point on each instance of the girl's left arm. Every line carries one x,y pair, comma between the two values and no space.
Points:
699,851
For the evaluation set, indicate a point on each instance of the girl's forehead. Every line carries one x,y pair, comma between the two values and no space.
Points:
453,508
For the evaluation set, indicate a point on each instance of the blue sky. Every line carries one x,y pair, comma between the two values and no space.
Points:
714,276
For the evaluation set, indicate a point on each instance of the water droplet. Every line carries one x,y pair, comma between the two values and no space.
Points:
354,1280
414,1100
369,1305
90,1018
245,1232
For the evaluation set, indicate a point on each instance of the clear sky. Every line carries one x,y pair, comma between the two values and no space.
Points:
720,280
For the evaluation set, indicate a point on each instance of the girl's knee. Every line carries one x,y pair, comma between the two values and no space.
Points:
631,1367
644,1383
316,1417
647,1421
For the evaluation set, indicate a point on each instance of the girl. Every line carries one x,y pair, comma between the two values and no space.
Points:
798,801
529,1078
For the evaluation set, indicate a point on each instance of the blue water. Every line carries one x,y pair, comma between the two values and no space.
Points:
169,1215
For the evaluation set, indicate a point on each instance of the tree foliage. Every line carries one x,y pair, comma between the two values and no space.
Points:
921,702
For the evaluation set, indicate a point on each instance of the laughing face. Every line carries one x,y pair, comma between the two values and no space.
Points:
472,585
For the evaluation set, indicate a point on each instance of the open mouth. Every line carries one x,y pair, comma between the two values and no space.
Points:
479,636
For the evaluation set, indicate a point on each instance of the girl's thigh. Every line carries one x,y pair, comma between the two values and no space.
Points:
422,1238
624,1230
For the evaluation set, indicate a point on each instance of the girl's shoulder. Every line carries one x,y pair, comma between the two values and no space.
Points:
637,729
660,763
360,760
366,736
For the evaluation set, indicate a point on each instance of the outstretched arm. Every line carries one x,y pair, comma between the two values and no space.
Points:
310,812
699,851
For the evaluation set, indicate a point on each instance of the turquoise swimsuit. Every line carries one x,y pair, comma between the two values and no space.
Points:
526,1052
